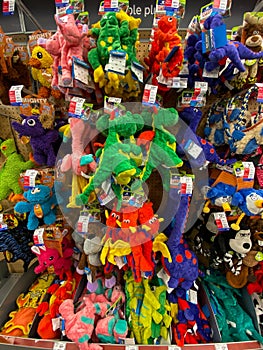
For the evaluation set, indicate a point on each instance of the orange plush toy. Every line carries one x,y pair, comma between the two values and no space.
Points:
166,52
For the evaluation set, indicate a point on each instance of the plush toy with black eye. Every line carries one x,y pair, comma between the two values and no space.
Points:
40,205
39,128
250,201
219,195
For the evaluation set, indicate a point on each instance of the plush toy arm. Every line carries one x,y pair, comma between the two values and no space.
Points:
66,163
237,199
22,207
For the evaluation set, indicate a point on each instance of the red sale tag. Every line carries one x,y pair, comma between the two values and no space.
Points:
260,92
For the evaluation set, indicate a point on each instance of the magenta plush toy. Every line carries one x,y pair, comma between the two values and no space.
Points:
42,137
50,259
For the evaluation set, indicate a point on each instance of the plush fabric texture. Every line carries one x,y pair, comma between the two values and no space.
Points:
42,137
10,172
40,203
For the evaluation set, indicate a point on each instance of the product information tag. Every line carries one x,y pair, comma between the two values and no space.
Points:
117,62
83,223
15,96
193,296
249,171
221,221
213,74
137,71
30,178
8,7
61,3
81,73
205,12
221,346
106,194
193,149
76,107
186,185
220,4
111,104
187,97
38,236
111,5
260,92
149,94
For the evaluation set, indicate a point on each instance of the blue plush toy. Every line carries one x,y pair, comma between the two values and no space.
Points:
250,201
220,195
40,205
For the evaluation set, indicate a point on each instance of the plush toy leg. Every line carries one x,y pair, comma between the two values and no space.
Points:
206,208
120,330
50,218
236,226
39,157
32,222
4,191
78,184
51,157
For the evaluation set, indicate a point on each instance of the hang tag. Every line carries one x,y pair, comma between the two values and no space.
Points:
186,98
38,236
213,74
61,3
260,92
137,71
30,178
184,70
192,26
186,185
214,38
193,149
83,222
106,194
117,62
220,5
249,171
175,182
221,221
111,104
56,323
120,261
81,73
15,95
76,107
205,12
8,7
149,94
111,5
193,296
3,226
234,32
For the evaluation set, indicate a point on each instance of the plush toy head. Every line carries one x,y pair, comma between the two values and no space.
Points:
250,201
8,147
47,258
38,194
252,32
34,125
167,24
40,58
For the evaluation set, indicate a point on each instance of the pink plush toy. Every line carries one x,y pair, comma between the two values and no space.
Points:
79,131
50,259
79,326
72,45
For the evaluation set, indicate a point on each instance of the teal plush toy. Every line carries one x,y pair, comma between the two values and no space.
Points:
11,169
116,158
40,205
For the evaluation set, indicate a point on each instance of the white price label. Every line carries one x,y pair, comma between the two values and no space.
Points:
30,178
174,347
183,83
213,74
203,86
149,94
186,185
249,171
131,347
59,345
56,323
15,96
221,346
81,73
1,217
221,221
106,194
193,296
117,62
76,107
220,4
38,236
137,69
193,149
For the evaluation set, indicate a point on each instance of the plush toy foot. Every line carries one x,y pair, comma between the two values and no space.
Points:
16,198
110,282
235,227
99,76
125,177
92,286
206,210
120,329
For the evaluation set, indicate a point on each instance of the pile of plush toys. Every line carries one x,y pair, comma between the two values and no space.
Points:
138,220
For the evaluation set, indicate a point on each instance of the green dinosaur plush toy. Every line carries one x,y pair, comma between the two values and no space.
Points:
11,169
116,158
161,153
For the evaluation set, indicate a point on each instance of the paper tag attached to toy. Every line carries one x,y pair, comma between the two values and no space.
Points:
213,74
221,221
198,98
30,178
260,92
111,104
184,70
8,7
249,171
59,345
137,71
38,236
106,194
15,95
171,4
149,94
186,98
205,12
223,7
192,26
165,277
111,5
193,149
83,222
117,62
61,3
120,261
3,225
81,73
76,107
192,296
186,185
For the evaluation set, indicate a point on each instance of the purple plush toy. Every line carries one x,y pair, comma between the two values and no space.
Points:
183,269
42,137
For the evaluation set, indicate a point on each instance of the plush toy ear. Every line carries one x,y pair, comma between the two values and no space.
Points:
46,121
237,199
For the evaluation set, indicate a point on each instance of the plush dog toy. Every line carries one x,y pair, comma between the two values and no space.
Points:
13,166
42,137
40,203
220,195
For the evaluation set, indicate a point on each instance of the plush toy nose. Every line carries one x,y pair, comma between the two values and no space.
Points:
246,245
259,203
34,62
4,148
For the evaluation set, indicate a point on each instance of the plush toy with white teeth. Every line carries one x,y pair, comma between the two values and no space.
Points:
250,201
40,204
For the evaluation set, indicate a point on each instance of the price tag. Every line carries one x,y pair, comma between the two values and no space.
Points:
175,182
249,171
131,347
117,62
193,296
61,3
15,97
220,4
120,261
81,73
137,71
111,5
213,74
193,25
111,103
206,12
76,107
171,4
56,323
193,149
187,97
38,236
59,345
260,92
184,70
83,223
8,7
30,178
221,346
106,193
186,185
221,221
149,94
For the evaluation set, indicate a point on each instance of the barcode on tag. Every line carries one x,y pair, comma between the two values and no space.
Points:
59,346
221,346
221,221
